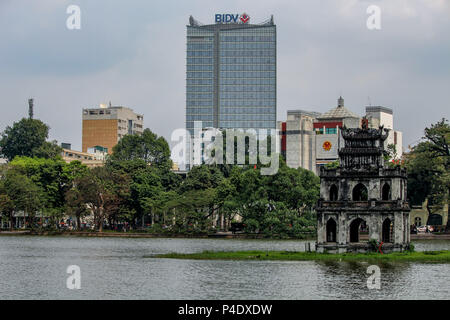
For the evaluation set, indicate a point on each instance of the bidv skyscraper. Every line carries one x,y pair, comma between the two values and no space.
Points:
231,73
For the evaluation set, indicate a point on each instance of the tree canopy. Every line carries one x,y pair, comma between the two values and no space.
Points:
147,147
428,168
27,138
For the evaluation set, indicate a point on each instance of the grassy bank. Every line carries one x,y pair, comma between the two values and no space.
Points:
426,256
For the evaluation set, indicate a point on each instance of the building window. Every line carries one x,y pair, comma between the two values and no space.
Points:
331,130
418,221
434,219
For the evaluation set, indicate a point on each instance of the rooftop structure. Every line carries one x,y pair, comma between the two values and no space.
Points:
338,113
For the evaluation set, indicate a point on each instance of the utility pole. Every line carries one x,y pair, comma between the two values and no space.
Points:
30,108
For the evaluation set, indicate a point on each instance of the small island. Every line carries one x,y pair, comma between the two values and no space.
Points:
424,256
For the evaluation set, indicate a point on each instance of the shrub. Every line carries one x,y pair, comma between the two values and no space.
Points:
373,245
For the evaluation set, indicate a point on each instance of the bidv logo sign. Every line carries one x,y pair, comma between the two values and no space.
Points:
232,18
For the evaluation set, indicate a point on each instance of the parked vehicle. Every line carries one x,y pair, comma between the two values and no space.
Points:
424,229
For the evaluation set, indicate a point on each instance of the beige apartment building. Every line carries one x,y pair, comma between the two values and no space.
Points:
106,125
88,158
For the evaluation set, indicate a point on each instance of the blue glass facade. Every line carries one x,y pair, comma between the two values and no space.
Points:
231,76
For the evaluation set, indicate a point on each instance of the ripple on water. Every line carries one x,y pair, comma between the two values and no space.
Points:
35,268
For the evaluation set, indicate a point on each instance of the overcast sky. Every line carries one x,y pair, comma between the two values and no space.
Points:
132,53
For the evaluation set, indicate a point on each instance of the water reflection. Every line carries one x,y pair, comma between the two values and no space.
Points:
35,268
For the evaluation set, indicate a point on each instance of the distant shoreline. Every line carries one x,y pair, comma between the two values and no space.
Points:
219,235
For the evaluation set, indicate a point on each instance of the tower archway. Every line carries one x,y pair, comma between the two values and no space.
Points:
331,230
386,231
358,230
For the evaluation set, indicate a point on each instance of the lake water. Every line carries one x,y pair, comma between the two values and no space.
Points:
118,268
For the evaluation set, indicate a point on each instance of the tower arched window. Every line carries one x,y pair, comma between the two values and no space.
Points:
360,192
333,193
386,192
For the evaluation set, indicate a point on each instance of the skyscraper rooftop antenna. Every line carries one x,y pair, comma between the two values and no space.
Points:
30,108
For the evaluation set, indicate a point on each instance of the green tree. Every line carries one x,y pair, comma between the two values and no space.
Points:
104,192
192,209
148,147
332,165
438,141
21,193
76,205
428,168
48,175
146,190
49,150
226,204
198,196
202,177
74,201
278,203
6,207
298,189
27,138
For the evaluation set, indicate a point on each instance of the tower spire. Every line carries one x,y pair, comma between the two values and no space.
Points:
340,102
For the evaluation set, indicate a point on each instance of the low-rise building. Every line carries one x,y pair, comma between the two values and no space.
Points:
106,125
419,216
89,159
311,140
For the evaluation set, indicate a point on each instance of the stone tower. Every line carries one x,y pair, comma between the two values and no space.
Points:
362,198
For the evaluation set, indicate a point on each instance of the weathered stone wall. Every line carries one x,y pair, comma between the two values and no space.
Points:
374,211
